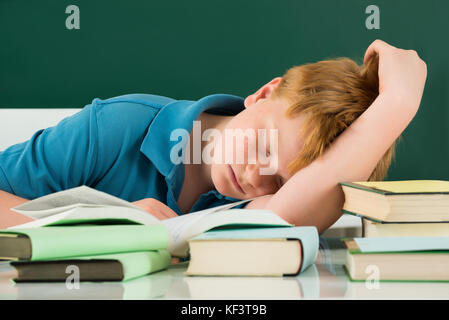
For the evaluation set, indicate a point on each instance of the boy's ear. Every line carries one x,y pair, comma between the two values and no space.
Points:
263,93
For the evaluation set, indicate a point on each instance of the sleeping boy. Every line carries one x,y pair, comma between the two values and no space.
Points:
332,121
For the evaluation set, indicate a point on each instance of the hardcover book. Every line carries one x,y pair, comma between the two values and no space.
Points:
253,252
398,201
398,258
69,241
110,267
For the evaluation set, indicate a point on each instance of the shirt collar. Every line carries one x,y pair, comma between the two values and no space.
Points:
180,114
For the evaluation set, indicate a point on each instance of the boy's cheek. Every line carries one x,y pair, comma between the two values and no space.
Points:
219,179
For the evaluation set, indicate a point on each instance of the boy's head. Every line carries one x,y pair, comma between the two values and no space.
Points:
330,95
310,105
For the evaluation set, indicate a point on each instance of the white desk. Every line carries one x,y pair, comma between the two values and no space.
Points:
326,279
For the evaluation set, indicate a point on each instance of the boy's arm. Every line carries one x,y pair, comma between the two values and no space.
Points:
312,196
10,218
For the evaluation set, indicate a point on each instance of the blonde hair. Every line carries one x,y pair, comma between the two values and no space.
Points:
331,94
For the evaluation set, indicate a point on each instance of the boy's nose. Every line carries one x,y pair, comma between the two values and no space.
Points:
263,184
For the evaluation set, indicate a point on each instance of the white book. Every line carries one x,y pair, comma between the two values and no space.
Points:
87,205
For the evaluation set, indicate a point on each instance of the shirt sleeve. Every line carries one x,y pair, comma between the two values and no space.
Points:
54,159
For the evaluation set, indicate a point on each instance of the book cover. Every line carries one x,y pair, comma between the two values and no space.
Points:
308,236
108,267
60,242
402,187
414,228
397,244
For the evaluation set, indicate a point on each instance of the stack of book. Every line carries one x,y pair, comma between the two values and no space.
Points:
399,208
90,253
405,227
104,238
398,259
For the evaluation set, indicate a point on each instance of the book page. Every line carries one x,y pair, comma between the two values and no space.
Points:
62,201
177,225
92,214
185,227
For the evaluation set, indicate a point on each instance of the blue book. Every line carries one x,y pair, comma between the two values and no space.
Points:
400,244
398,258
253,252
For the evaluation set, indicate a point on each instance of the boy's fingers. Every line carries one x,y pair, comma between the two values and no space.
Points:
157,212
169,213
157,215
156,208
377,46
164,210
372,49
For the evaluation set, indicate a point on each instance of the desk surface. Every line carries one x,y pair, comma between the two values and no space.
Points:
326,279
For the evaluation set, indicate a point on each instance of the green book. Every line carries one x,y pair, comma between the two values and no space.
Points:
253,252
84,240
110,267
398,258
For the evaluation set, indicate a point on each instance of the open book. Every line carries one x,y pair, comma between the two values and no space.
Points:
84,205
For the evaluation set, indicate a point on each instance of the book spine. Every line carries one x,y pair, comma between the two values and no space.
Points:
310,245
141,265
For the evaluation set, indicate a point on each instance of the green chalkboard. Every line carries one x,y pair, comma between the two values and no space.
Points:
189,49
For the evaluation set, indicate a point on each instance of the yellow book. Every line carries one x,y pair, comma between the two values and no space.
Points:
398,201
409,186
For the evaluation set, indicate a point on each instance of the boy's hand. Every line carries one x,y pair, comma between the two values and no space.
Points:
402,74
156,208
9,218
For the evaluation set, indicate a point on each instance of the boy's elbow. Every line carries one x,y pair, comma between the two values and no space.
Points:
322,218
322,212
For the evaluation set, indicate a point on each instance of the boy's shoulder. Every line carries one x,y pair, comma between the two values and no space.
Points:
130,111
152,100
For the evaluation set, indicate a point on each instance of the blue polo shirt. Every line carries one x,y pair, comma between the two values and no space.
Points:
120,146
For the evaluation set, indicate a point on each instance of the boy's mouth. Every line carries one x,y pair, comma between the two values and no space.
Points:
234,180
